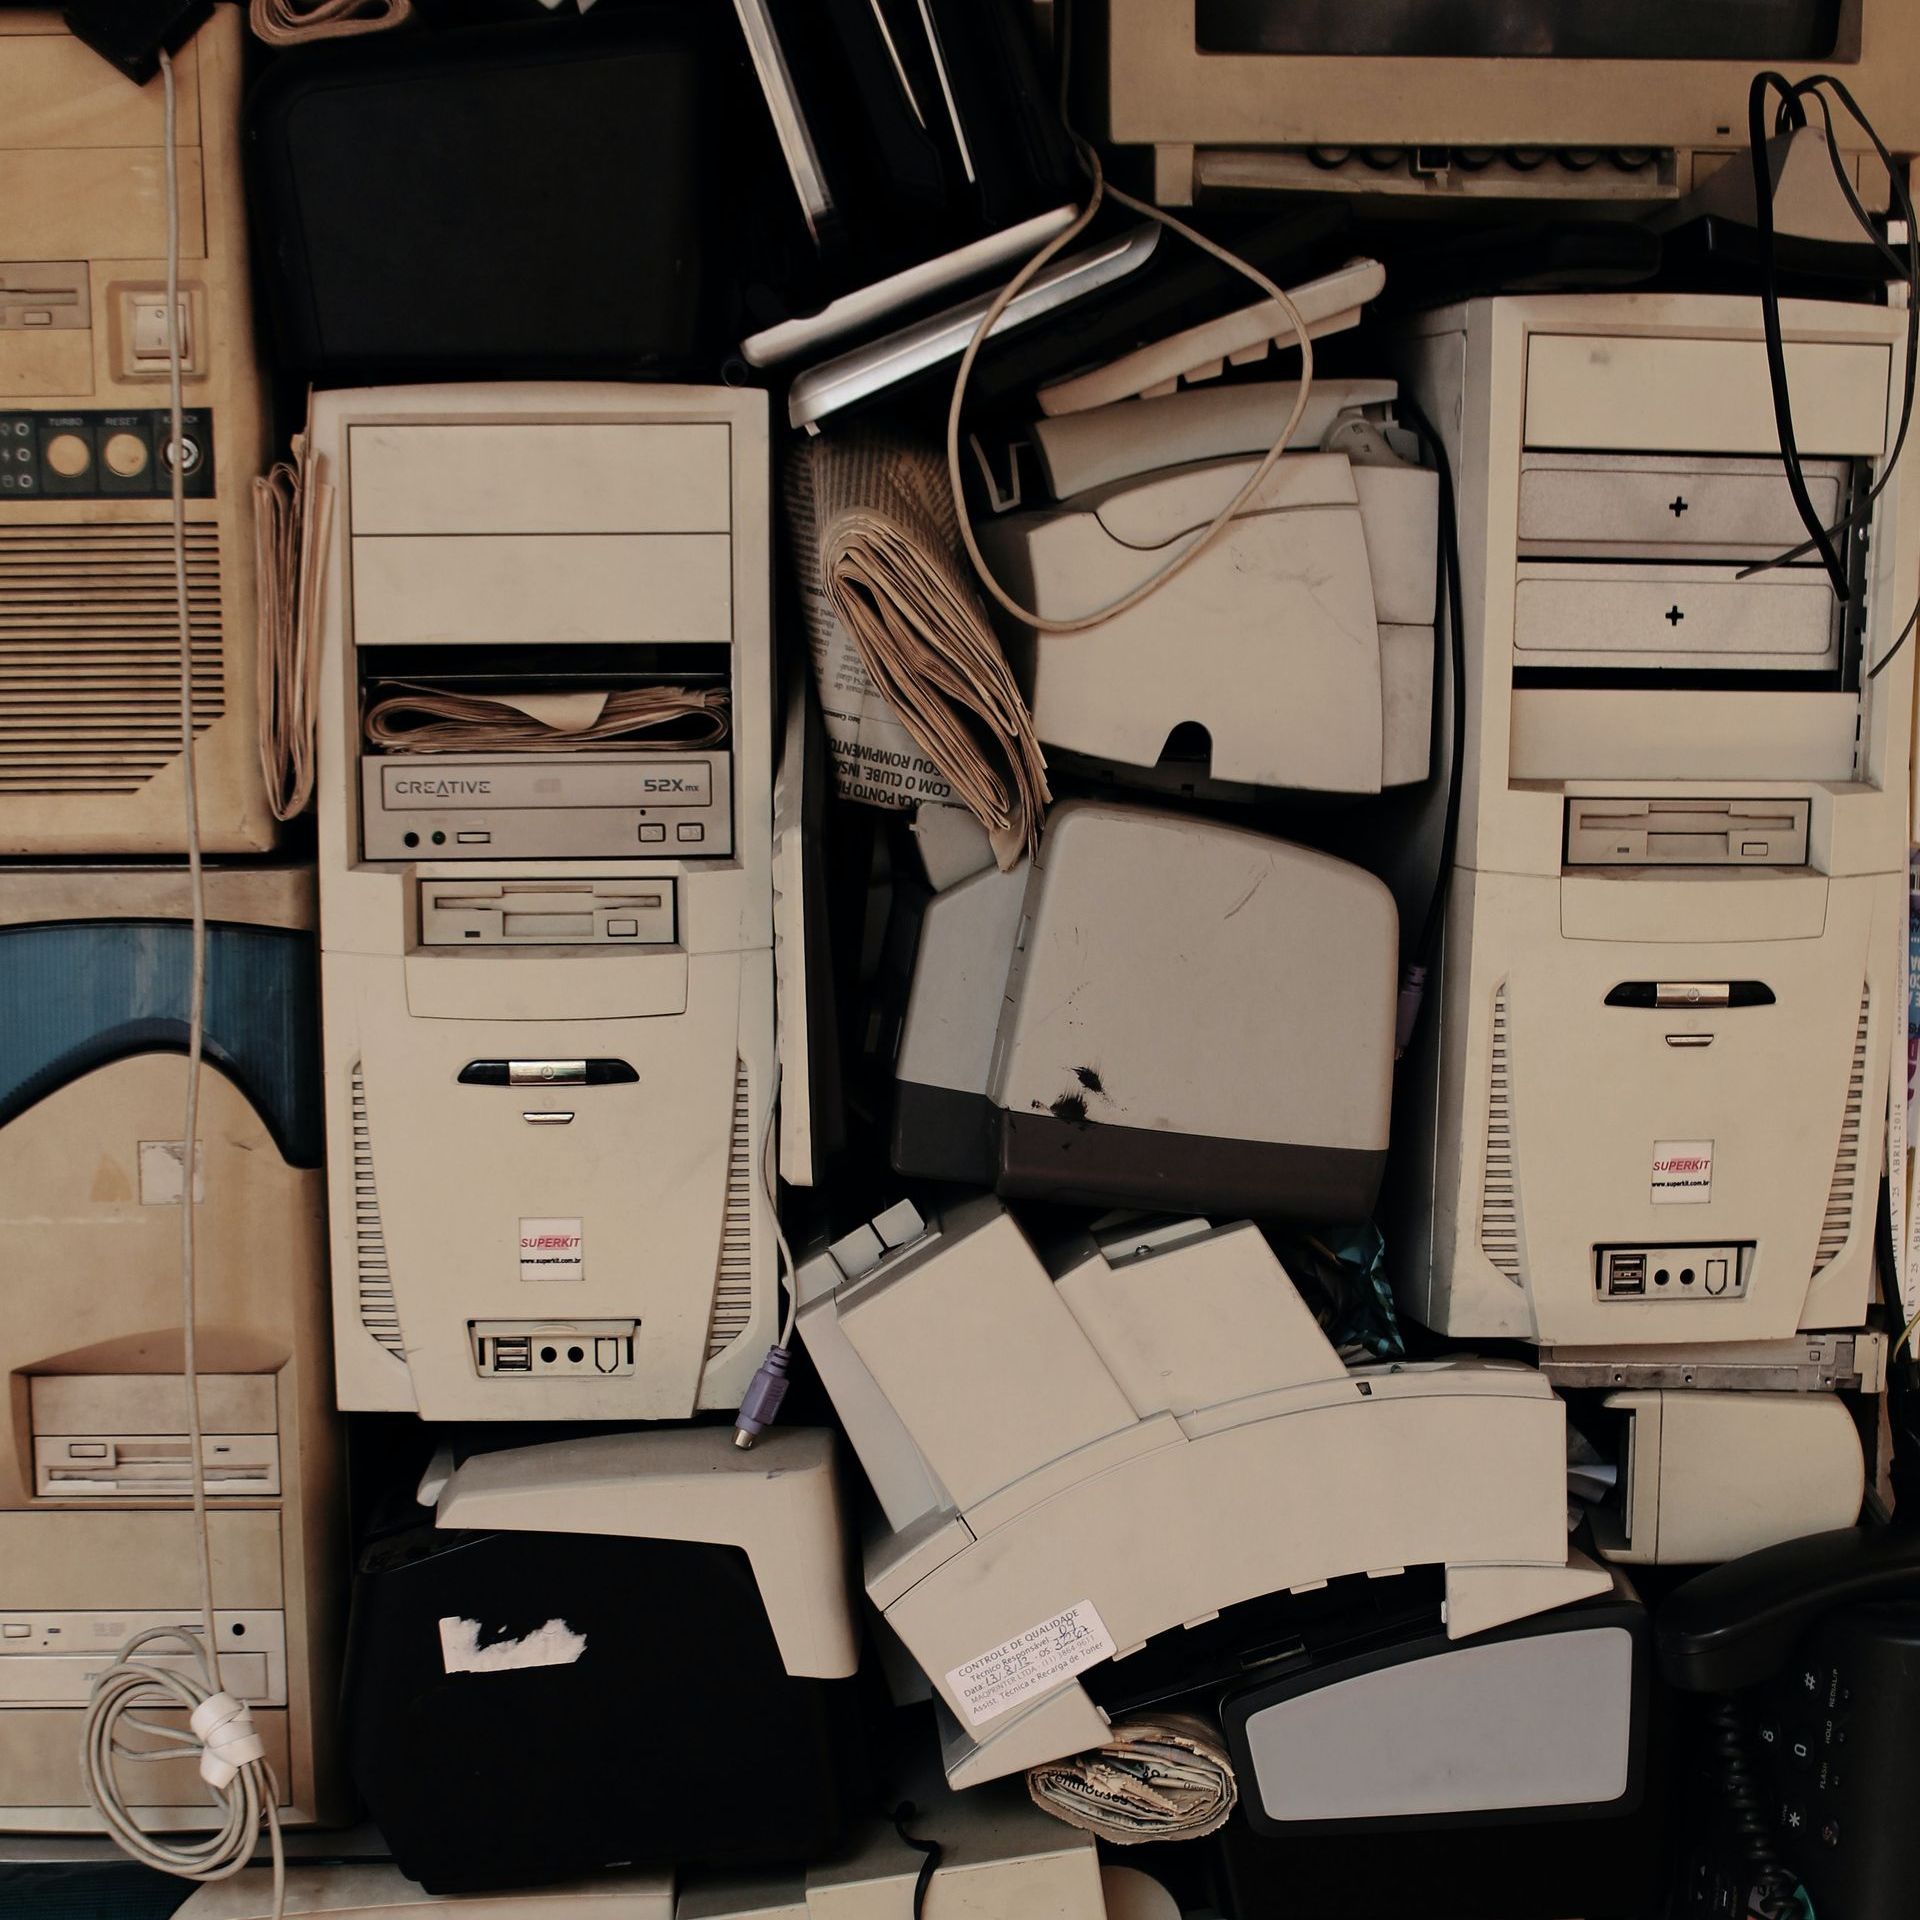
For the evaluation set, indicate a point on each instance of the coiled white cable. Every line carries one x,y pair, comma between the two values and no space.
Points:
220,1729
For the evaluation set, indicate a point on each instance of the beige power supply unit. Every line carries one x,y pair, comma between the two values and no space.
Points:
96,1527
90,758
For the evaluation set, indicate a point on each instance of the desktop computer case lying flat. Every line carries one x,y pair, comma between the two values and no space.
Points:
96,1531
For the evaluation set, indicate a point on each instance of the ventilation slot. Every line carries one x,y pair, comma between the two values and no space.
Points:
733,1285
379,1310
1838,1222
90,654
1499,1209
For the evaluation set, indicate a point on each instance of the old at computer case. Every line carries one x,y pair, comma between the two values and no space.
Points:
96,1533
90,758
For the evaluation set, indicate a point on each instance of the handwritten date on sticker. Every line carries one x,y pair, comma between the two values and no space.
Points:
1031,1663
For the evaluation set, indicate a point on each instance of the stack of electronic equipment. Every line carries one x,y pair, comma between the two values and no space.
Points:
97,1469
1366,841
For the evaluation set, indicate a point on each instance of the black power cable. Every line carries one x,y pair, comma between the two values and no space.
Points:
1791,116
931,1851
1795,117
1447,589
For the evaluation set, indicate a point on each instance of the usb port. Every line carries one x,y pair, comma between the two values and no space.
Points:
512,1354
1626,1273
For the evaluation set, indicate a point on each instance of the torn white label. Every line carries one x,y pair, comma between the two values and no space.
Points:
554,1645
1030,1663
552,1250
163,1172
1682,1173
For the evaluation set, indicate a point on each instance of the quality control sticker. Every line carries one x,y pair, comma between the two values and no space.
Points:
552,1250
1030,1663
1682,1173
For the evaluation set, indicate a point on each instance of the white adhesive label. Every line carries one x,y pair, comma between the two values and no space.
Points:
163,1166
1682,1173
554,1645
552,1250
1032,1662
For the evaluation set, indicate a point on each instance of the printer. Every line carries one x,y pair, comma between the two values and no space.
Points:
546,889
582,1653
1071,1452
1647,1105
1156,1011
1296,652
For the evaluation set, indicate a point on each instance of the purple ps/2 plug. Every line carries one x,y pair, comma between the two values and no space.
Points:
760,1404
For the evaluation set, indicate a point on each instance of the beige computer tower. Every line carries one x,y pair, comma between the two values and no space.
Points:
90,759
1647,1103
548,976
95,1522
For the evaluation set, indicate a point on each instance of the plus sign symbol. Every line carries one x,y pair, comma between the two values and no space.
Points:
1673,616
1677,505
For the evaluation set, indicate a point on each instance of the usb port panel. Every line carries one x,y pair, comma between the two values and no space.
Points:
1626,1274
507,1353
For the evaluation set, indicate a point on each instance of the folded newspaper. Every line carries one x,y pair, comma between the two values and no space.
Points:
1166,1778
918,699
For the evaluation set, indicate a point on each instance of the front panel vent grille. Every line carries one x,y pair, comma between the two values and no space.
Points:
379,1310
1837,1223
733,1283
90,654
1499,1198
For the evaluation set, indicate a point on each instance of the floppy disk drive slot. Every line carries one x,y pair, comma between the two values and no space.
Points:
547,913
1629,832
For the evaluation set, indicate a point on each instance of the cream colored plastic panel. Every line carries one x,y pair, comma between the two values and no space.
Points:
1678,395
544,477
446,589
1646,505
1590,613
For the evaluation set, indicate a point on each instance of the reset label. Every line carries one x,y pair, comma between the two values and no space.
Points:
1030,1663
1682,1173
552,1250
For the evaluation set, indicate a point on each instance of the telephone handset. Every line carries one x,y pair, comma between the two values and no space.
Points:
1814,1649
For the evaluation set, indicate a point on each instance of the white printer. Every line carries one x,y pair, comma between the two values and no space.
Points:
1296,652
1077,1453
547,960
1155,1011
1649,1100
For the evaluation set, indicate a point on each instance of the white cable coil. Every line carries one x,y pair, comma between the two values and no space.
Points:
233,1759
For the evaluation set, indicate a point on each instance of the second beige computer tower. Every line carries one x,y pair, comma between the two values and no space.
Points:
96,1526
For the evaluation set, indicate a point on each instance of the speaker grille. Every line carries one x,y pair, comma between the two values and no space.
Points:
90,654
733,1283
1499,1204
379,1310
1837,1223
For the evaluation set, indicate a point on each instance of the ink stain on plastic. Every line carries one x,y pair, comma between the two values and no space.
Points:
1089,1077
1072,1108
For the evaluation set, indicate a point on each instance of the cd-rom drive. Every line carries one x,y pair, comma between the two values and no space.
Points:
563,806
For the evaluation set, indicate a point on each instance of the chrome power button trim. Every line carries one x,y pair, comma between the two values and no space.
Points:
546,1073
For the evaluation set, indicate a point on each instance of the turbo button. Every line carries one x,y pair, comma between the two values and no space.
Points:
68,455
